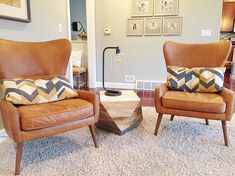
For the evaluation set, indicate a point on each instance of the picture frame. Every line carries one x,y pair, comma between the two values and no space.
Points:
142,8
153,26
17,10
135,27
166,7
172,25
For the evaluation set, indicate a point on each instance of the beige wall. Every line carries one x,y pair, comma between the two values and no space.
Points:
143,55
45,14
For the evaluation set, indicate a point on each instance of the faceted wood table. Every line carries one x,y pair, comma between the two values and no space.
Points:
120,114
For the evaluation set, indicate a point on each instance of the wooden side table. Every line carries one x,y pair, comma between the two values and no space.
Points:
80,77
120,114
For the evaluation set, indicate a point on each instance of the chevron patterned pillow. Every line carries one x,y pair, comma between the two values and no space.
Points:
198,79
28,91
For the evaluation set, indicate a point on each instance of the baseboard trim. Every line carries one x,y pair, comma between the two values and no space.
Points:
3,135
117,85
2,131
233,76
131,86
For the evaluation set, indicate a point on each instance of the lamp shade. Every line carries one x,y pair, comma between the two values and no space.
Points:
117,61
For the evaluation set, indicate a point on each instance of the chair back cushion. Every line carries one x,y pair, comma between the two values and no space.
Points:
196,55
33,59
28,91
198,79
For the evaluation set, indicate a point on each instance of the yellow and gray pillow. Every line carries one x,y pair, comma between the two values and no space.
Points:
28,91
198,79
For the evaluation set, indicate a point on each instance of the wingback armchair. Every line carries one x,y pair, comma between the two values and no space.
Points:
213,106
42,60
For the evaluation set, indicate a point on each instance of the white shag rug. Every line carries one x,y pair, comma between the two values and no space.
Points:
184,147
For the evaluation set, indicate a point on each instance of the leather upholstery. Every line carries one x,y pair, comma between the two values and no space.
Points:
11,120
201,102
227,94
195,55
36,134
33,59
229,97
52,114
94,99
42,60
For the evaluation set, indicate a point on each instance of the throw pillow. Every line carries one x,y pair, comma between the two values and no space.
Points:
28,91
197,79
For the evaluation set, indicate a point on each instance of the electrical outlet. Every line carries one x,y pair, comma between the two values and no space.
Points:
60,27
130,78
206,33
107,31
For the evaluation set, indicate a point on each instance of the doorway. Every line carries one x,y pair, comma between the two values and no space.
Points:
227,32
78,27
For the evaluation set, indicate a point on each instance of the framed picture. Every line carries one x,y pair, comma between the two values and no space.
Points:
142,8
135,27
17,10
153,26
166,7
172,25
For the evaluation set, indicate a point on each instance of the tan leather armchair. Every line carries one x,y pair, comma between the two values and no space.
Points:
42,60
213,106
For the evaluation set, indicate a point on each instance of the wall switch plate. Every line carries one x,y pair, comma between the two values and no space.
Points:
107,31
60,27
206,33
130,78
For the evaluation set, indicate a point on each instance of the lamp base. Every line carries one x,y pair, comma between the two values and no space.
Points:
113,93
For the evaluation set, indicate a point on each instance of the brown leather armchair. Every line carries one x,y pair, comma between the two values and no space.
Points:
42,60
213,106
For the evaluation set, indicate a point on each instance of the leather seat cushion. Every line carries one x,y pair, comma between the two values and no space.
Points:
40,116
201,102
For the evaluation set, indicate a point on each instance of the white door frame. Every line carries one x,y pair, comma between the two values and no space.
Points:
91,41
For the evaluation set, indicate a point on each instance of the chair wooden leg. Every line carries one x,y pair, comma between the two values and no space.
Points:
159,119
224,126
19,151
172,117
207,121
93,134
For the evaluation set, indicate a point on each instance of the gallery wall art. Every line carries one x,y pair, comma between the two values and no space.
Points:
153,26
135,27
155,18
166,7
172,26
142,8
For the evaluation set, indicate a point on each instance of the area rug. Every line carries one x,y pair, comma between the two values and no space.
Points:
183,147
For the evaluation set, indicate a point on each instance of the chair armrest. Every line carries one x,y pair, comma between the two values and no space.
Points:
159,92
93,98
229,97
11,120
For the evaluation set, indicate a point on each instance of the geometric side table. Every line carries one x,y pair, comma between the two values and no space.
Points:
121,113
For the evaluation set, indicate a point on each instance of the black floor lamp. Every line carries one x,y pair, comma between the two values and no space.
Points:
110,92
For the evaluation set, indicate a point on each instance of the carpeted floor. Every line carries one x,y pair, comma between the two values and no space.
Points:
183,147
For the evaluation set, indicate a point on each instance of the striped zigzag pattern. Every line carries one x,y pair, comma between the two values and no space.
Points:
28,91
198,79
